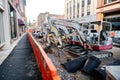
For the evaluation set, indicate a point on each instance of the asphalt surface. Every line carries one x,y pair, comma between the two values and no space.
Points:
21,63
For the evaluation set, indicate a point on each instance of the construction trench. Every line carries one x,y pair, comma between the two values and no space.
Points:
76,66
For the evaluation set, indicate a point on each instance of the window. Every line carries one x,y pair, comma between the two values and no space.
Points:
77,15
70,9
88,2
1,29
73,16
82,12
88,10
109,1
82,8
75,38
67,10
105,1
13,26
83,3
93,31
88,13
73,8
78,6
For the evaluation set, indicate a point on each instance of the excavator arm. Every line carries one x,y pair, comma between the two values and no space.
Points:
75,26
64,25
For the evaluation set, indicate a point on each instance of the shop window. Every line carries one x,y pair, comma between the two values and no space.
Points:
13,22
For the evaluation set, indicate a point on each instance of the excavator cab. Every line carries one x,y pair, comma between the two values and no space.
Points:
104,41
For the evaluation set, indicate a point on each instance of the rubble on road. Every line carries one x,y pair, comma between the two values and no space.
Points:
60,56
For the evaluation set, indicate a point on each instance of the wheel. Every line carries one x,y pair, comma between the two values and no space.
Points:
110,54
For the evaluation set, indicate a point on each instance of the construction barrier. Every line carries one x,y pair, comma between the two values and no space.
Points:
30,30
47,68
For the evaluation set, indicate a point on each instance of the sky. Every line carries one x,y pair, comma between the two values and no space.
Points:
34,7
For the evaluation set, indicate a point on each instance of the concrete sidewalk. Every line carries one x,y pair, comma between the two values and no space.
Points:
21,63
4,53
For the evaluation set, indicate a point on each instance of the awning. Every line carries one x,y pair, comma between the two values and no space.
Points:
21,22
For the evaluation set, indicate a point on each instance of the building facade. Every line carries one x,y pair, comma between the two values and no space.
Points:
43,18
11,17
109,10
82,11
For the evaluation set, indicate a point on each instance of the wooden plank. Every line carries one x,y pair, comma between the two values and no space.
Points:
113,72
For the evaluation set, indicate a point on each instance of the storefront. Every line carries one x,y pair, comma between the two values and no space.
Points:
110,11
114,18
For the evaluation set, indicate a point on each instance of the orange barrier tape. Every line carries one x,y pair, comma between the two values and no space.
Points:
30,30
47,68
